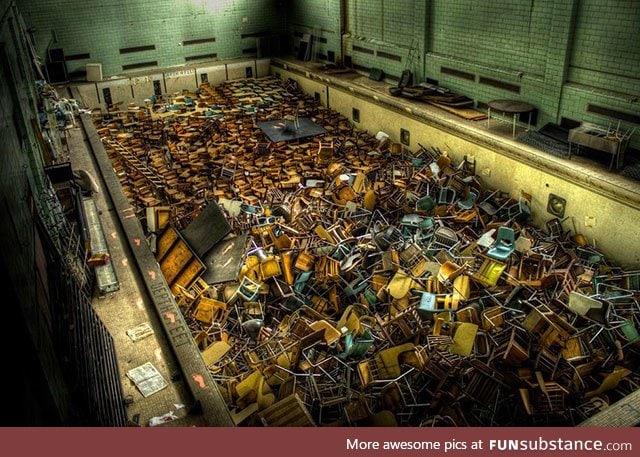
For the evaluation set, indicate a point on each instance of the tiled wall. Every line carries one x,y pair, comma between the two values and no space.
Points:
386,34
521,43
319,18
606,50
174,32
21,165
55,379
559,55
604,65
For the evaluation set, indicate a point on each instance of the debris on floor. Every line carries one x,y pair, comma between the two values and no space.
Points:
140,332
376,285
159,420
147,379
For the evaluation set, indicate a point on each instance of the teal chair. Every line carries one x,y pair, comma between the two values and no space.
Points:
447,195
301,281
427,305
356,347
503,247
425,204
371,297
630,332
468,202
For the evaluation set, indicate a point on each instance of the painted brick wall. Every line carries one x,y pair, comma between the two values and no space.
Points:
538,47
501,40
606,48
505,34
381,34
320,18
103,28
563,54
20,171
604,65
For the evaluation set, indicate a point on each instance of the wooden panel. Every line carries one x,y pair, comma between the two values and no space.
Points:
262,68
120,92
238,70
175,261
163,215
143,87
165,242
179,264
189,274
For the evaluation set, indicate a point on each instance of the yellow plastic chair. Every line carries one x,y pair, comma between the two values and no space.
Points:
211,311
464,337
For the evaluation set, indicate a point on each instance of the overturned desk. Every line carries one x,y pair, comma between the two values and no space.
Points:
604,139
513,108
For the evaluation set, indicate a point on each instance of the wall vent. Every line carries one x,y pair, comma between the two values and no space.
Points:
256,34
213,55
198,41
363,50
612,113
499,84
386,55
83,56
150,47
132,66
458,73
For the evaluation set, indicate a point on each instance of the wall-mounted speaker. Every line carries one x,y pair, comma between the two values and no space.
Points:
556,205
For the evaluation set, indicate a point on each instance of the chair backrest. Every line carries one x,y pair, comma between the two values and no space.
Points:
506,235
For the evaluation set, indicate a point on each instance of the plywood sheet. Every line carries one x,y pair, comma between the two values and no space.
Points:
207,230
224,261
179,264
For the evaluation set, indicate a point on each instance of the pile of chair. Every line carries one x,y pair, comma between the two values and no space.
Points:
390,287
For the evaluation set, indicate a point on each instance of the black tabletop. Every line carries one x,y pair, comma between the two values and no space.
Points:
510,106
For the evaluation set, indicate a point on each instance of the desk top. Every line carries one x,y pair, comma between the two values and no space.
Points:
511,106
